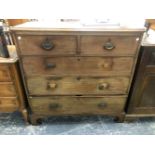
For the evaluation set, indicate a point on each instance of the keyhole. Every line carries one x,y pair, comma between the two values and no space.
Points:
78,78
78,59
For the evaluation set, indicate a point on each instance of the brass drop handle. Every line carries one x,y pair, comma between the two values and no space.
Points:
102,105
103,86
109,46
53,106
51,85
47,45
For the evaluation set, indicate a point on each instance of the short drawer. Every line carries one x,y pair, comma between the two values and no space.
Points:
46,45
109,45
5,73
54,85
98,66
7,89
8,104
76,105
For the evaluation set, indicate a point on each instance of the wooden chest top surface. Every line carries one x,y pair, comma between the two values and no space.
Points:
78,26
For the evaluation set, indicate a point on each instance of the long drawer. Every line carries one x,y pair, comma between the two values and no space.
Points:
5,73
46,44
99,66
76,105
109,45
8,104
57,85
7,89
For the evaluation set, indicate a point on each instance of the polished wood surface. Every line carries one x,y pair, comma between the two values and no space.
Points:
33,44
99,66
52,26
8,104
13,22
78,71
7,89
54,85
76,105
122,45
12,97
5,73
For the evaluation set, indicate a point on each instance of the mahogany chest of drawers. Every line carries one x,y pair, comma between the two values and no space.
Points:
12,97
77,71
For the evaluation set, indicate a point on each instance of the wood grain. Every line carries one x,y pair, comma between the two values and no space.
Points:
77,105
78,75
4,73
7,89
123,45
99,66
8,104
12,95
32,45
77,85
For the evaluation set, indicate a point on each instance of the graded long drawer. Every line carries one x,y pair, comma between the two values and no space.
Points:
109,45
77,105
98,66
56,85
7,89
46,44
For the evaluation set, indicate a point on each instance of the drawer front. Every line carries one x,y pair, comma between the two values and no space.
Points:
46,45
109,45
4,73
76,105
7,90
77,85
98,66
8,104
